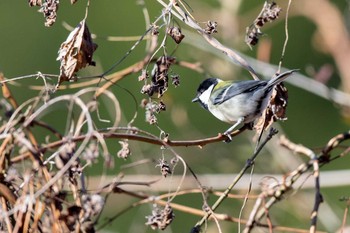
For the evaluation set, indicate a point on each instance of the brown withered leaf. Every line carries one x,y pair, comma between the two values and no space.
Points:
176,34
76,53
276,110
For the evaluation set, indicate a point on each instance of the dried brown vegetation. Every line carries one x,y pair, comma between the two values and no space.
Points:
43,182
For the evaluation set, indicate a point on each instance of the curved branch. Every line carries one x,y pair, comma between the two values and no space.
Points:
135,136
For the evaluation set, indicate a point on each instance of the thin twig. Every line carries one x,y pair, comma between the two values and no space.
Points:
287,37
235,57
248,164
151,139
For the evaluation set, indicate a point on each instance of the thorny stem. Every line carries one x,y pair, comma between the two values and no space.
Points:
248,164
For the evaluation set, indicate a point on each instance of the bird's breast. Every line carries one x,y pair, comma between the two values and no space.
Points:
237,107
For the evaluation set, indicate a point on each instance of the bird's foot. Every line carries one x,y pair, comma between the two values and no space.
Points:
228,137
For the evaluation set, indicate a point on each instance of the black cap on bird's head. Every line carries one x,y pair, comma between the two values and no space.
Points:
202,88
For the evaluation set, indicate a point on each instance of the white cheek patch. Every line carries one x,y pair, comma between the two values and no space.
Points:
204,97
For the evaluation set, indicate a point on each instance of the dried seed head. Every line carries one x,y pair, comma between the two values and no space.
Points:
151,109
160,219
92,205
175,80
211,27
269,13
252,35
35,2
161,106
143,75
151,118
165,169
124,152
49,9
160,75
147,89
176,34
155,31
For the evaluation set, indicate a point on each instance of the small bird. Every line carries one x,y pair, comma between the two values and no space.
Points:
237,102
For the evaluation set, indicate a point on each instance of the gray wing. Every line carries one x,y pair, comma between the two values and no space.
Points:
224,92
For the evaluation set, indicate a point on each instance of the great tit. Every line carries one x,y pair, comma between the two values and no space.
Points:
237,102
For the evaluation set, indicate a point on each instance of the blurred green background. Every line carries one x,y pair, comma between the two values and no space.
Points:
27,46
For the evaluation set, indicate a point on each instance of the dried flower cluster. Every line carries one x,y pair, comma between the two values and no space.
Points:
152,108
160,77
175,80
211,27
92,205
155,30
124,152
49,8
269,13
35,2
160,218
164,166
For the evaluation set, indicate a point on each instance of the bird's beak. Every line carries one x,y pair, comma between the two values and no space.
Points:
196,99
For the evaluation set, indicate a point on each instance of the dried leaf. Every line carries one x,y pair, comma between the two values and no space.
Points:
160,76
76,52
276,110
176,34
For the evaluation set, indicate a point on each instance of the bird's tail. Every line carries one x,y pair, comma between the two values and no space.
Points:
280,78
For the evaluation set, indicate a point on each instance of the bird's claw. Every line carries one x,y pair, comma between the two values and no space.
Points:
228,137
